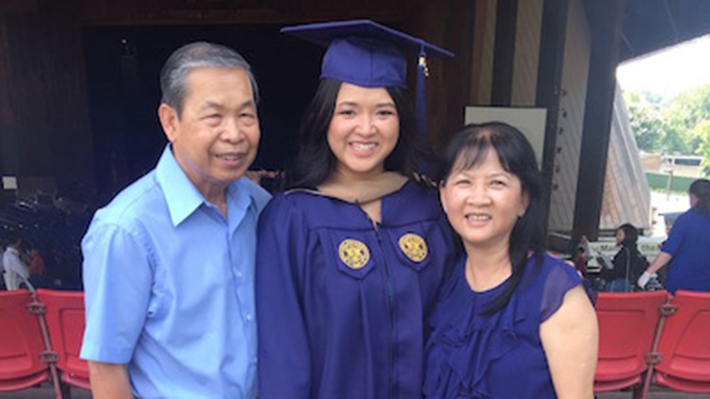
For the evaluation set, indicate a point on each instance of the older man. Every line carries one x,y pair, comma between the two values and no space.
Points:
169,263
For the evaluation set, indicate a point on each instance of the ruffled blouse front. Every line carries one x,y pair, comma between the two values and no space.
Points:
472,354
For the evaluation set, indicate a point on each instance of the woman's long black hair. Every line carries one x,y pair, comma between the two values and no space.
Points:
701,190
631,234
468,148
314,161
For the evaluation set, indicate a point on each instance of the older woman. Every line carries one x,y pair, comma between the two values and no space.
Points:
512,322
350,259
687,249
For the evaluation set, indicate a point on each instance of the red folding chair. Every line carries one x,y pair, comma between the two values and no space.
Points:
627,326
685,345
24,361
65,319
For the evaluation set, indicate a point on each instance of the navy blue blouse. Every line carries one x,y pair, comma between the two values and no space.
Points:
341,305
471,354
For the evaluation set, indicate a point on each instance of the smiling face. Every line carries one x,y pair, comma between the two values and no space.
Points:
216,137
483,202
363,131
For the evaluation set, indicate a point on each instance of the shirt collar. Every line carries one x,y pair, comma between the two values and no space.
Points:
239,195
182,196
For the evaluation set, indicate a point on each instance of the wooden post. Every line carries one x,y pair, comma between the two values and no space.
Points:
549,82
504,52
605,22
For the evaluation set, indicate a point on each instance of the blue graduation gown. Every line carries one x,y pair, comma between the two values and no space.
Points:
341,304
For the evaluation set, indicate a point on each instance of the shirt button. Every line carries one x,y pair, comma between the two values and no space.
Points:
239,275
249,317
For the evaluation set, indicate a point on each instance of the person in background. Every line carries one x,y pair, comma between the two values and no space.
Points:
36,267
16,271
628,263
686,252
513,322
169,263
581,256
351,257
2,267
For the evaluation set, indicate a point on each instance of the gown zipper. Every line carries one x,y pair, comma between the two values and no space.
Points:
390,303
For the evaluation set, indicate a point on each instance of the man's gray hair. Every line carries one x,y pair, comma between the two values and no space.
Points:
173,76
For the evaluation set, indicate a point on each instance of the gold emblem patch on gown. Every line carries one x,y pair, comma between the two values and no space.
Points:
354,253
413,246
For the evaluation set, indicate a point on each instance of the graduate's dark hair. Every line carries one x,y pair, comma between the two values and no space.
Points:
468,148
314,161
701,190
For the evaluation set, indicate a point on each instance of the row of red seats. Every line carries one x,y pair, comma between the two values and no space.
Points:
40,339
653,338
644,338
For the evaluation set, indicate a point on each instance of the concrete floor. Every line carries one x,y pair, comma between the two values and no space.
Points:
46,392
654,394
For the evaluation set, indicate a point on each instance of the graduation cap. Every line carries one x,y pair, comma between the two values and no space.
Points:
368,54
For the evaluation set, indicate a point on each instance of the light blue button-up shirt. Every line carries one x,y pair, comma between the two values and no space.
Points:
169,285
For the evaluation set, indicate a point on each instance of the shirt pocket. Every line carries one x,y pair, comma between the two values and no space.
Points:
353,252
412,244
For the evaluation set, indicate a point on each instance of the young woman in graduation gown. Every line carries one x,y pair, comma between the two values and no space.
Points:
351,257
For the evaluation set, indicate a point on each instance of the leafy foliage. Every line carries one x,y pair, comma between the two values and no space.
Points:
680,125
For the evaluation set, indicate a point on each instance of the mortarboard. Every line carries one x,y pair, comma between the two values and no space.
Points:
368,54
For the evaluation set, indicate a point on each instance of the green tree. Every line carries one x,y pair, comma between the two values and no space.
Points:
680,125
645,120
702,130
647,128
693,108
693,105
